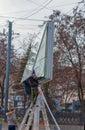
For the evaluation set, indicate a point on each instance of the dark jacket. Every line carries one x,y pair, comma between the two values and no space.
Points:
27,87
33,82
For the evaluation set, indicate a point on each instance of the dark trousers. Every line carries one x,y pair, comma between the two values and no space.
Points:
11,127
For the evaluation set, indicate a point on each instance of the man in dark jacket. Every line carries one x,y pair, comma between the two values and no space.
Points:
31,86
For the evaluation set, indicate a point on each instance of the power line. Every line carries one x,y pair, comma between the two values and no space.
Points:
66,4
40,7
14,12
34,2
28,28
34,25
50,8
26,10
79,6
19,18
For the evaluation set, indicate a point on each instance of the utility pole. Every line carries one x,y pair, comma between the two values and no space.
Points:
8,64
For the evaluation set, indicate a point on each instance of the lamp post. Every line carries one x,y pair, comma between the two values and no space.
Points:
8,64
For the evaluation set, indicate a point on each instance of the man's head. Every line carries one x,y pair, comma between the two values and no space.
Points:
33,74
13,110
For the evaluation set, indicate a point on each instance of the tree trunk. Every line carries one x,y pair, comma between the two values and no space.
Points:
2,91
82,102
2,96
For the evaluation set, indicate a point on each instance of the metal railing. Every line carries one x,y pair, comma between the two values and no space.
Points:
69,118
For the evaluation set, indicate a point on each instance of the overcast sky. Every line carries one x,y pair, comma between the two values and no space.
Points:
18,11
31,9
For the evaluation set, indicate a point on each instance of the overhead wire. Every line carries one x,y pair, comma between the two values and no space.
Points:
66,4
39,8
71,10
33,2
26,28
19,18
14,12
26,10
16,18
27,24
50,8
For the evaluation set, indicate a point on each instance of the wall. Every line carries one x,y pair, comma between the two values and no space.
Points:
66,127
71,127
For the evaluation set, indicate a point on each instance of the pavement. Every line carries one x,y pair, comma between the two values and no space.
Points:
4,126
63,127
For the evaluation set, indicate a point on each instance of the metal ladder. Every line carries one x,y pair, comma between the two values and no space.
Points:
33,114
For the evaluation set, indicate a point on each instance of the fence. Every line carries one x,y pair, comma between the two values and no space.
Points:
63,118
69,118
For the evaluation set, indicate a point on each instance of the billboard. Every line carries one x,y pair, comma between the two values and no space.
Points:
42,60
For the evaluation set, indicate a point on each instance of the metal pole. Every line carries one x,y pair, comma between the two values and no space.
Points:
8,64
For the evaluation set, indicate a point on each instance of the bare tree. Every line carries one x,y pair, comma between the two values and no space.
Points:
70,43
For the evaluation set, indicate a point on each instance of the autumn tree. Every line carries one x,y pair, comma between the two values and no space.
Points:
70,43
13,64
2,67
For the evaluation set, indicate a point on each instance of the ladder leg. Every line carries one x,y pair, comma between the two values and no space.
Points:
22,125
46,123
36,115
29,123
43,97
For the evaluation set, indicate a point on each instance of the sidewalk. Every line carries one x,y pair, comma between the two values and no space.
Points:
4,126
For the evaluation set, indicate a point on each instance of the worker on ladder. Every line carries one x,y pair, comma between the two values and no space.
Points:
31,87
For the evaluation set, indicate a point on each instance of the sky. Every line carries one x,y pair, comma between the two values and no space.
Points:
28,15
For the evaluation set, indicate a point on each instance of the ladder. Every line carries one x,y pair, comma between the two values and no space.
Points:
32,116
